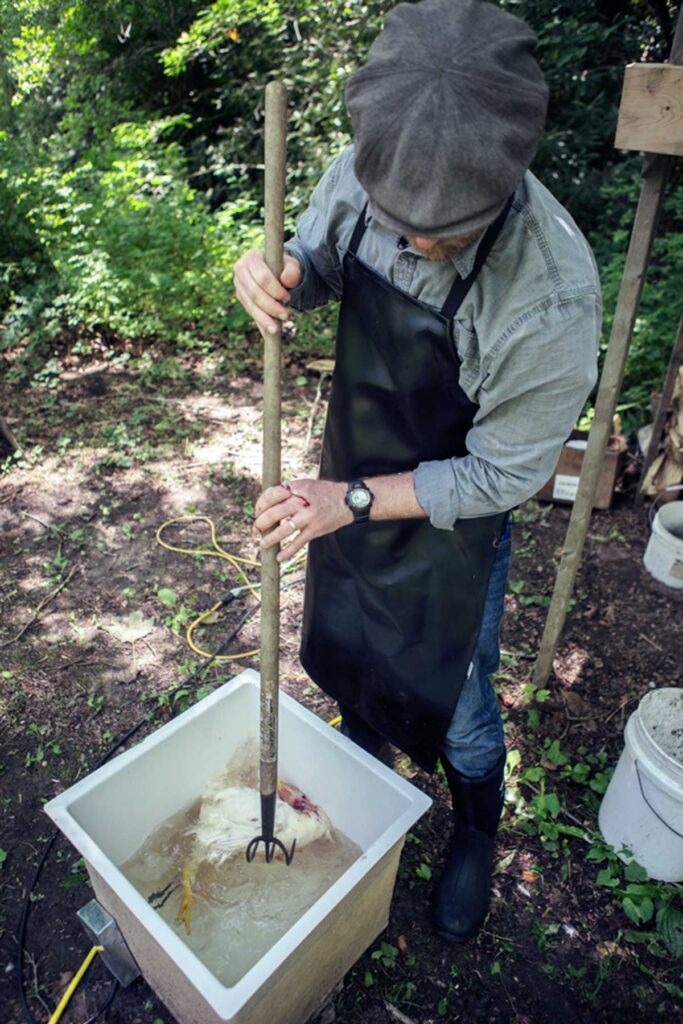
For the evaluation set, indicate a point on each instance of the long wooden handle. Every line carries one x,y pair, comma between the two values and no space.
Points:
275,153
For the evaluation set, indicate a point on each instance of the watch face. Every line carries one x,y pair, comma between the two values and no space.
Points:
359,498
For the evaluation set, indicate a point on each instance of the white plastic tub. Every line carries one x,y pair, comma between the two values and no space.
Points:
663,556
642,809
109,814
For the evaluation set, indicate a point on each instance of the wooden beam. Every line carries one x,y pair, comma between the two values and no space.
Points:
637,259
651,110
663,408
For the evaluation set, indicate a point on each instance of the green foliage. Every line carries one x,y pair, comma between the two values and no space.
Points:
235,46
130,246
643,901
131,160
534,696
545,812
121,242
223,29
386,954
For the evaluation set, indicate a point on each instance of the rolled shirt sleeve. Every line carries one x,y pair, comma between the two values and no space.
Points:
322,235
537,381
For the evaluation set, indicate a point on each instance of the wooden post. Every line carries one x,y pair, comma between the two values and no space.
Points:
275,147
655,174
6,433
675,363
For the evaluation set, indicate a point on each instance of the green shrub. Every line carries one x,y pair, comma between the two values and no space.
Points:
131,166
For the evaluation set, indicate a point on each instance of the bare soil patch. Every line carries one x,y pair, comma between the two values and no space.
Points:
111,453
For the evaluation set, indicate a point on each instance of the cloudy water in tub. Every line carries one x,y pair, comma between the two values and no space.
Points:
239,909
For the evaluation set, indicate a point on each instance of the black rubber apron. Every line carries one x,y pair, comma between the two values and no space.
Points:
393,609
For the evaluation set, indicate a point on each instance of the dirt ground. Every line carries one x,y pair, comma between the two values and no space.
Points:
113,449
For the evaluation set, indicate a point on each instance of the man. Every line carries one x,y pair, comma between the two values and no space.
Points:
466,347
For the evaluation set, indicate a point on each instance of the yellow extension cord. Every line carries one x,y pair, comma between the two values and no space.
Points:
73,985
236,562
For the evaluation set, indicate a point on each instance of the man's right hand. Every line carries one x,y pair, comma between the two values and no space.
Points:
260,292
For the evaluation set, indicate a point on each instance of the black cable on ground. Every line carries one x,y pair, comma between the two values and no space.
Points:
25,910
104,1008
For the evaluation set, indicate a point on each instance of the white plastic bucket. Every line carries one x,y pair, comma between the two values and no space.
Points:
664,553
109,813
642,810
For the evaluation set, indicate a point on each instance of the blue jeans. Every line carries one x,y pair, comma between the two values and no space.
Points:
474,741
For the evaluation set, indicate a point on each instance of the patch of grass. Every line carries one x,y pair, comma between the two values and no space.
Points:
45,746
545,814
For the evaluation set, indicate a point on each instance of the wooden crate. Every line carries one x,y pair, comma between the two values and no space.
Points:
564,482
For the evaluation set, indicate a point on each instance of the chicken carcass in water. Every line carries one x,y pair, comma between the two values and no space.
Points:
230,816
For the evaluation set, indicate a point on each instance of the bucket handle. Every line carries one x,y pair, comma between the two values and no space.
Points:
656,813
654,507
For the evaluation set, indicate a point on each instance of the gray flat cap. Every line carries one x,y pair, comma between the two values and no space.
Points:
447,114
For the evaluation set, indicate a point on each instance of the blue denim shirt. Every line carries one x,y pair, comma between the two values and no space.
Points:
526,334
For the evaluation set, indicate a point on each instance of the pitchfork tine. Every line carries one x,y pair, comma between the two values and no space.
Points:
270,846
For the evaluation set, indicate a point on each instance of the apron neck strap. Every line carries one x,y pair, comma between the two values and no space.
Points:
461,285
358,231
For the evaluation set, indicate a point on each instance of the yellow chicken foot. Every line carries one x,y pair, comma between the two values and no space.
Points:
185,909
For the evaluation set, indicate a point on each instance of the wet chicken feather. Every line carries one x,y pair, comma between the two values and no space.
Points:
230,816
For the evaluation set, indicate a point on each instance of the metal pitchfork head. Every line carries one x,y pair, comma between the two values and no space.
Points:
270,842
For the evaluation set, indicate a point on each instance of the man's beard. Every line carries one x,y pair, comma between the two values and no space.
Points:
446,247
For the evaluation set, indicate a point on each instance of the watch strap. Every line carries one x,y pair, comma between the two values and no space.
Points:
360,515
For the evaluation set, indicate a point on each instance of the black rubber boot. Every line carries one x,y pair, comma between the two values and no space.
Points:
462,898
365,736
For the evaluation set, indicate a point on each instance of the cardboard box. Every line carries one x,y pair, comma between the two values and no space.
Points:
564,482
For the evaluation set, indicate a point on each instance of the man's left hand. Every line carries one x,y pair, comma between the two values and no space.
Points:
290,515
